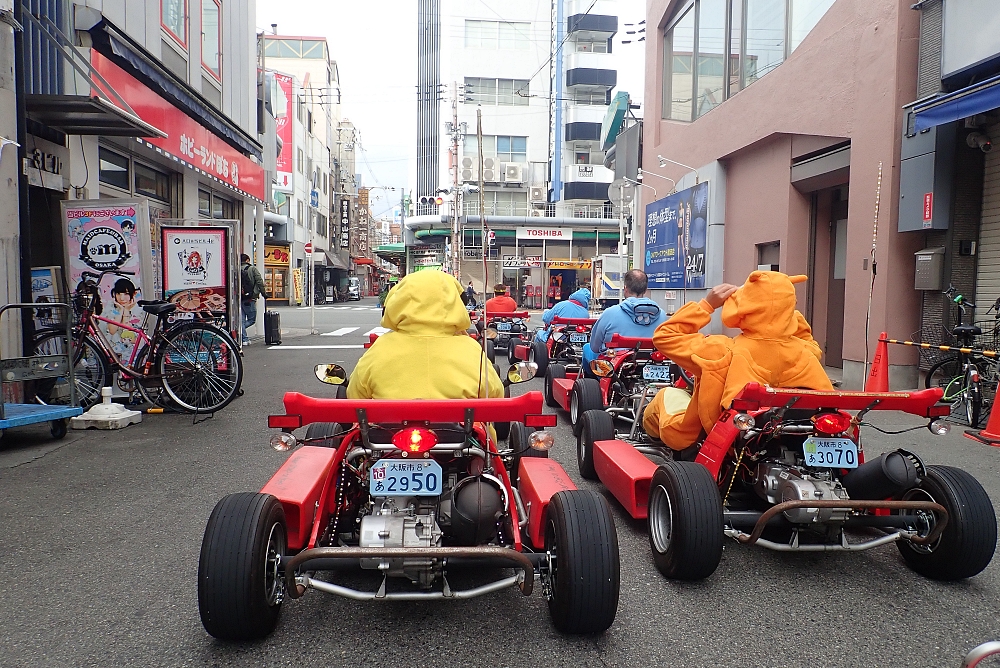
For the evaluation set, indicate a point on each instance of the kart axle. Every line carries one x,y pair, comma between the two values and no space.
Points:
933,535
490,552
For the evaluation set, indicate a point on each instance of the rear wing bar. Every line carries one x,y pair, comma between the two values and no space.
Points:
573,321
507,314
923,403
619,341
302,410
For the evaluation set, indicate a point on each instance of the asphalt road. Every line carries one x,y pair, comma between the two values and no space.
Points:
102,532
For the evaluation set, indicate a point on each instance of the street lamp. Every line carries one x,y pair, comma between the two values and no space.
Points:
664,161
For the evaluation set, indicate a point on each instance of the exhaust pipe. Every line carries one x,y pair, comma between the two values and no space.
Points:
891,474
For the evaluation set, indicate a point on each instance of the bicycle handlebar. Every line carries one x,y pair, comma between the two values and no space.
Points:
89,274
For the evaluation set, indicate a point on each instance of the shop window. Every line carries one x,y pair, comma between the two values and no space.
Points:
497,92
114,169
173,18
497,34
204,203
600,46
714,48
211,37
151,183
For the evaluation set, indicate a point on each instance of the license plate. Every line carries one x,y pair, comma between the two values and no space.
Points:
577,338
402,477
839,453
656,372
503,326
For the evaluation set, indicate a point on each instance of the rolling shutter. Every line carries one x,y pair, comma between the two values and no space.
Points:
988,271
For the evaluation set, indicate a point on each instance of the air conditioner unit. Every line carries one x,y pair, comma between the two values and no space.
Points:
467,163
513,172
489,163
490,175
469,174
538,213
537,194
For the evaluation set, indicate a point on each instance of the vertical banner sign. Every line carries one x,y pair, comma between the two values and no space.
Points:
283,109
676,233
195,269
928,211
345,223
298,285
111,235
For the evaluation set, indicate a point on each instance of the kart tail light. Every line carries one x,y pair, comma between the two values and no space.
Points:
831,424
581,328
657,356
414,440
602,368
541,420
541,440
284,421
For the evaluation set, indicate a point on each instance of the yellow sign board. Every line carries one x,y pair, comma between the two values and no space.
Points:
297,283
276,255
568,264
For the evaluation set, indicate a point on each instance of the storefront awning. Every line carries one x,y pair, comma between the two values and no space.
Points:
969,101
84,115
332,260
362,260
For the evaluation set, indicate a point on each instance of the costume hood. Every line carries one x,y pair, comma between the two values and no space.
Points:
764,307
427,303
581,296
641,310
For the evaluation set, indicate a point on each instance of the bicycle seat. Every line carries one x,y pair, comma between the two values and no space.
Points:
158,308
972,330
150,302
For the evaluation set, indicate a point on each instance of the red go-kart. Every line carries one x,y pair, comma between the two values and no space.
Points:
785,469
411,492
564,345
506,330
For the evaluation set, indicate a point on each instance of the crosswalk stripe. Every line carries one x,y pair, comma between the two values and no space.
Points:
340,332
377,330
337,347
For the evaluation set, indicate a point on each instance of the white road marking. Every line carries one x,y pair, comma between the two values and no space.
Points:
377,330
340,332
341,347
361,308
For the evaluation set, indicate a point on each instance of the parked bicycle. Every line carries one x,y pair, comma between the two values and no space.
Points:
967,377
195,363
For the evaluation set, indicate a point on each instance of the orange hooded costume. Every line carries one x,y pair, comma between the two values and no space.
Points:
775,348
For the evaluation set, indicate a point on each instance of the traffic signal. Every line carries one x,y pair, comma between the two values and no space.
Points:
491,237
431,200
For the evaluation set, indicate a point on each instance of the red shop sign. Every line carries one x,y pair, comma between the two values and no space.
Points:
187,139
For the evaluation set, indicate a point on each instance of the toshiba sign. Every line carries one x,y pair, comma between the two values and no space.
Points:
550,233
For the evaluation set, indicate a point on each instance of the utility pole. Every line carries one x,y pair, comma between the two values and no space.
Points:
456,235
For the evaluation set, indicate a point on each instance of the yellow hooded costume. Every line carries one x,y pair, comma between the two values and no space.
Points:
428,354
775,348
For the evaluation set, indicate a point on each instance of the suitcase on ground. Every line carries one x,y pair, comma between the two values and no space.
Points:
272,328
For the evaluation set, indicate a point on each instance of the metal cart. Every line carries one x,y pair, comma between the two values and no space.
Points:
36,368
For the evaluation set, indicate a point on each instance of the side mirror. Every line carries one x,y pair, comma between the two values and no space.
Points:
521,372
331,374
491,333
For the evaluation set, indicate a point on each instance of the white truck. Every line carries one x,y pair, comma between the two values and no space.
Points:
606,276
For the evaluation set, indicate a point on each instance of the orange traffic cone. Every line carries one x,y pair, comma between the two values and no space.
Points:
990,435
878,377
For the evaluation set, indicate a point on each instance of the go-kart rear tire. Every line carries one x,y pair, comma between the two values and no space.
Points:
969,540
502,428
685,521
539,354
491,352
585,396
511,342
329,432
517,441
239,584
586,573
595,425
554,371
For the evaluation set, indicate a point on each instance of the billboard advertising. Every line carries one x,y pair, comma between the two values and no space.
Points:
283,114
195,272
676,230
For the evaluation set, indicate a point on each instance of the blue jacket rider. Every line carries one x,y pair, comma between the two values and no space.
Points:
574,307
637,316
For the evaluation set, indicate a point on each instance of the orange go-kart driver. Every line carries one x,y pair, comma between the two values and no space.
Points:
775,347
500,303
428,354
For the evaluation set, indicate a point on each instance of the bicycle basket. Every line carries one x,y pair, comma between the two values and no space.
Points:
990,338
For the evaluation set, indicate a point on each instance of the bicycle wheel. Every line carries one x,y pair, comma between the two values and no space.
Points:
150,386
91,370
200,367
942,373
973,399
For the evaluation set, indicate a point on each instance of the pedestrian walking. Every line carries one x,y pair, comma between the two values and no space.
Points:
470,294
251,288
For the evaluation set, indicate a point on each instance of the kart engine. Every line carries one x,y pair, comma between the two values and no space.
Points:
778,481
402,522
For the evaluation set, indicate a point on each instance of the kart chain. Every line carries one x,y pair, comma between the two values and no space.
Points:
736,471
331,531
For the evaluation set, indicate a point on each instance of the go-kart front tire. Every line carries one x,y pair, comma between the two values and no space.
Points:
585,573
539,354
491,351
554,371
969,540
240,586
595,425
685,521
586,396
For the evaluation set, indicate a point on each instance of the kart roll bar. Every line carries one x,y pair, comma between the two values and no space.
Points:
619,341
391,411
923,403
557,320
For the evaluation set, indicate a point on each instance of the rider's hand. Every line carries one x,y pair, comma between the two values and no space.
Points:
718,295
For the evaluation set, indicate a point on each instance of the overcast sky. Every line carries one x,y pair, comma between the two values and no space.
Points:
375,43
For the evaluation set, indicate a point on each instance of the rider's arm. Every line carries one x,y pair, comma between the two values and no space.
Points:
597,334
680,337
547,316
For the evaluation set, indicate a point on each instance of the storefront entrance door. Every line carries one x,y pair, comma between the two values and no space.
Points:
835,294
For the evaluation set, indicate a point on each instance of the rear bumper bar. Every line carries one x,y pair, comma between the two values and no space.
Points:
525,580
